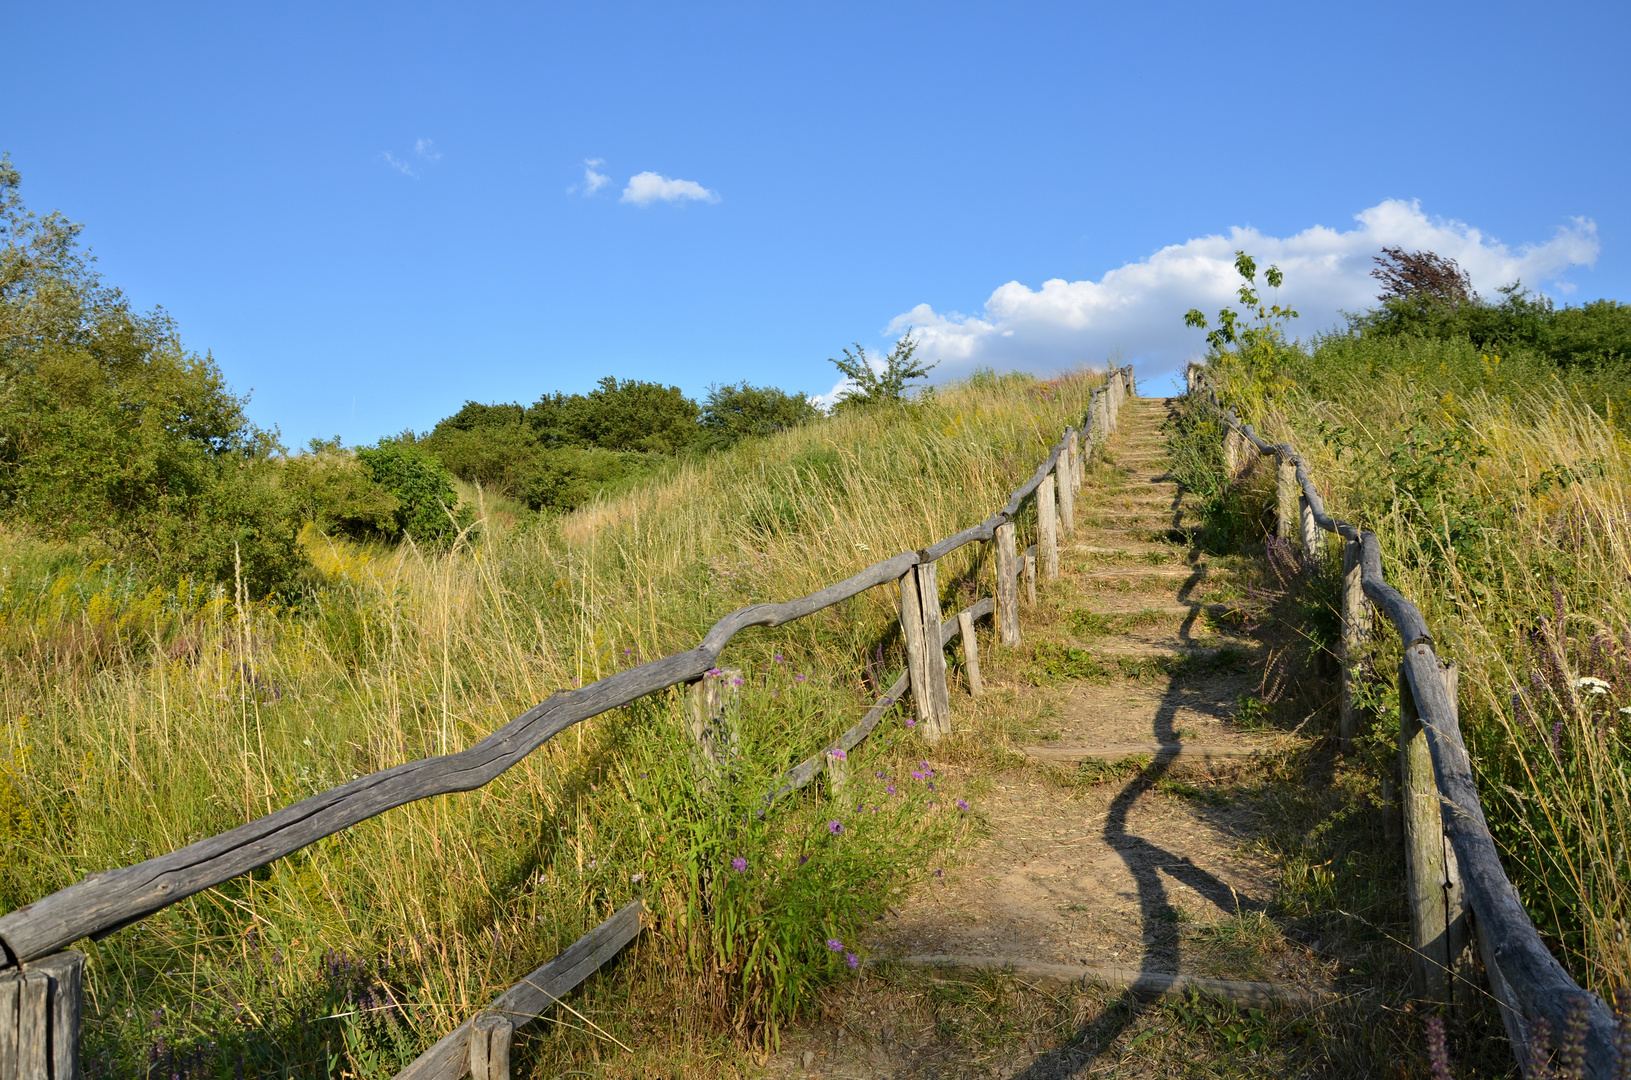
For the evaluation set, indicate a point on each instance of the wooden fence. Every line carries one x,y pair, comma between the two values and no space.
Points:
1461,901
40,983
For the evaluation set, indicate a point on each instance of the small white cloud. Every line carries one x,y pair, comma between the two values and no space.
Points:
649,187
426,148
398,164
1138,308
592,181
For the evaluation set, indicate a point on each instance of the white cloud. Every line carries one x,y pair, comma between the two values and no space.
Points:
592,181
1137,309
649,187
426,148
398,164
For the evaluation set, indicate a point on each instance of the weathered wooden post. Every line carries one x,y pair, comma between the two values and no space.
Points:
1073,454
1312,544
1232,440
1047,521
1030,576
1007,619
713,705
971,653
837,770
925,659
1285,491
1356,628
39,1019
1067,492
1437,904
490,1036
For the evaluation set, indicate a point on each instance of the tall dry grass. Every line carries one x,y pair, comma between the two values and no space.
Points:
138,719
1508,521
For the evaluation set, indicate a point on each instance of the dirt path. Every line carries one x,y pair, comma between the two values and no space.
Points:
1105,845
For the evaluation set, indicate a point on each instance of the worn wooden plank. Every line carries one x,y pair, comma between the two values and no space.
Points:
1047,521
1313,544
1030,575
711,710
1285,498
528,999
1066,492
1425,876
917,653
490,1038
1356,630
971,653
938,724
34,1025
10,992
1007,588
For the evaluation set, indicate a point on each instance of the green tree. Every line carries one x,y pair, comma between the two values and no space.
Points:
739,411
1249,344
618,415
870,387
112,432
427,506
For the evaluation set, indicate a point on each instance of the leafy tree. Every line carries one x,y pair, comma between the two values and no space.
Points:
329,487
873,387
1422,277
423,489
1251,343
739,411
618,415
112,432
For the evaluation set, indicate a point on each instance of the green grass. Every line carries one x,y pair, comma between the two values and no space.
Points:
140,716
1498,488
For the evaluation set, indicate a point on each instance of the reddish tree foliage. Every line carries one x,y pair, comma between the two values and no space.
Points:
1422,275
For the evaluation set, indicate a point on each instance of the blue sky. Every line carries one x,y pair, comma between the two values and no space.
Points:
364,212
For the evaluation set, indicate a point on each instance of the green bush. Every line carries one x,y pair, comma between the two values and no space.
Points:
427,507
740,411
112,432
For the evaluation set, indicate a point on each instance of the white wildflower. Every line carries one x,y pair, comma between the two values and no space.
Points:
1594,687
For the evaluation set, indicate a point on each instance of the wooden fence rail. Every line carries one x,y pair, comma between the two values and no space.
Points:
1452,863
104,902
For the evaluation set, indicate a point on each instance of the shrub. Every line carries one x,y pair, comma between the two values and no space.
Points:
740,411
427,505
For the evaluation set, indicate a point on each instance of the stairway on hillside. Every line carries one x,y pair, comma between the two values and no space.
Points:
1104,846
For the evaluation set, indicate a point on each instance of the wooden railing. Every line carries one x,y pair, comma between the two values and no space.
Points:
40,985
1459,895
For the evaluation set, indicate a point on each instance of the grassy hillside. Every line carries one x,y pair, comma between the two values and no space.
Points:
1498,487
139,717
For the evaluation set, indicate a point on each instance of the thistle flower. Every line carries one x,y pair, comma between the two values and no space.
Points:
852,960
835,945
739,864
835,827
962,805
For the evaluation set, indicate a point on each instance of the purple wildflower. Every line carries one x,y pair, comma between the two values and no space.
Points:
739,864
1438,1050
835,945
799,677
939,873
736,681
839,754
780,659
886,702
803,859
910,722
931,785
890,790
852,960
715,671
835,827
962,805
916,775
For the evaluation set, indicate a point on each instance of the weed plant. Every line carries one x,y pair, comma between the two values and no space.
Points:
139,718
